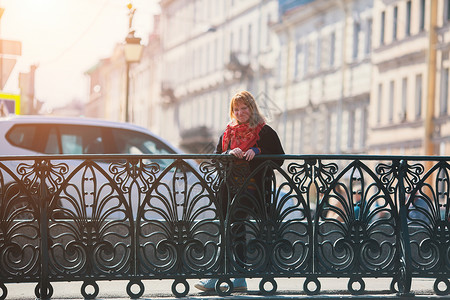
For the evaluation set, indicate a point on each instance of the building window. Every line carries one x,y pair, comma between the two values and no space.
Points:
278,71
306,58
418,96
207,60
195,16
368,42
298,52
231,42
199,61
327,132
422,15
295,135
333,132
447,11
269,17
313,133
240,42
351,130
391,100
444,92
216,57
332,48
379,102
363,125
302,130
408,18
395,24
382,24
204,61
404,99
356,31
249,39
318,53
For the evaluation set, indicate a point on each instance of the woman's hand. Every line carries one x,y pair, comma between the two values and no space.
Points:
249,154
237,152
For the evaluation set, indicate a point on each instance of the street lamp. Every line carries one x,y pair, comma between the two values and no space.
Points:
132,52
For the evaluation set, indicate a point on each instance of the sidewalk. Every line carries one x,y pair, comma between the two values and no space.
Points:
331,288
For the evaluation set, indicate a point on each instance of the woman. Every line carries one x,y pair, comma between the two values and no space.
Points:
246,136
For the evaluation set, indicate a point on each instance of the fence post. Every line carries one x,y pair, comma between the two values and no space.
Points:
44,289
405,276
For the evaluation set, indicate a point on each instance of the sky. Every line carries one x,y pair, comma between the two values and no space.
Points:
65,38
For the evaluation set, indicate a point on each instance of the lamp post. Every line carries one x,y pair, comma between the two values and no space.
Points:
132,52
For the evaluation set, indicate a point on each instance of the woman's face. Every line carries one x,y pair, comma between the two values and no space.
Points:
241,112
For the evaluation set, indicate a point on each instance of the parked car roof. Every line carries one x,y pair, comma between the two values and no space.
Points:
70,120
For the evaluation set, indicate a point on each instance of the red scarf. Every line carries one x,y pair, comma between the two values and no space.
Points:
240,135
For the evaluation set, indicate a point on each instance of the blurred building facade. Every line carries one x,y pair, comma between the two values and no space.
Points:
107,87
331,76
145,85
29,104
323,76
211,50
409,103
307,63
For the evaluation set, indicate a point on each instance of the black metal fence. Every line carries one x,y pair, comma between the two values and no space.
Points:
93,218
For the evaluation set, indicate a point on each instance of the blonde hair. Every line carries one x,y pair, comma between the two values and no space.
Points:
246,98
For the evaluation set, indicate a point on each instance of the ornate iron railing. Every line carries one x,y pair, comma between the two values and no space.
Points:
93,218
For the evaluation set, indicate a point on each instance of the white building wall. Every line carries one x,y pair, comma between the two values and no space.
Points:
399,77
319,73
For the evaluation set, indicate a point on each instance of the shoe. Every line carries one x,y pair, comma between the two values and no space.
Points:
206,285
239,284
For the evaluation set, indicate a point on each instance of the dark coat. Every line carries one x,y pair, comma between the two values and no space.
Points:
268,143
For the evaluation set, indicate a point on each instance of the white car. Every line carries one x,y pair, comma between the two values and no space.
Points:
38,135
32,135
